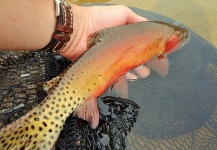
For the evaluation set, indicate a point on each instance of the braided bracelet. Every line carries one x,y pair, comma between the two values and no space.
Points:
64,27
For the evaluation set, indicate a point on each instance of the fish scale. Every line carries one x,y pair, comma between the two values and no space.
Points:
112,52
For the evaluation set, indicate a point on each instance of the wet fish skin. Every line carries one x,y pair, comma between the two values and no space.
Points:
112,52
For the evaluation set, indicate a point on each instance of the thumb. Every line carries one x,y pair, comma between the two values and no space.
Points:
133,17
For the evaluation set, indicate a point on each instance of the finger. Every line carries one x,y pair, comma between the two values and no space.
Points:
133,17
131,76
142,71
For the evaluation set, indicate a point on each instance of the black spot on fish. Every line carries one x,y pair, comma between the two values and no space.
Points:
45,124
26,128
42,141
21,136
5,144
36,135
9,146
36,119
40,128
32,127
4,140
47,105
8,135
45,117
22,148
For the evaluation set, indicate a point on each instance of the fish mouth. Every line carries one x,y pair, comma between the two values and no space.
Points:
184,38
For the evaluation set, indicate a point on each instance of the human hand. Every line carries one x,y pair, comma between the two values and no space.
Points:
88,20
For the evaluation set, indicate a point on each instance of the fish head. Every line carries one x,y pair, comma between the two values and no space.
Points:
172,38
179,38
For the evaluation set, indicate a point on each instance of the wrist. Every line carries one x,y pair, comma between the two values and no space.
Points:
63,29
71,50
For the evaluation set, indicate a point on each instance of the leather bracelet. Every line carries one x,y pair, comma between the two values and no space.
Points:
64,27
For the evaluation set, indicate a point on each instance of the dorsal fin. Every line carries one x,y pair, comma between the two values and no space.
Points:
94,38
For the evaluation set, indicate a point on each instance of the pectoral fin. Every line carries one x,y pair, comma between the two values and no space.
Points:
119,88
160,65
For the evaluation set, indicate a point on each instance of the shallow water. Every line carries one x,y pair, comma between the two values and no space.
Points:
200,16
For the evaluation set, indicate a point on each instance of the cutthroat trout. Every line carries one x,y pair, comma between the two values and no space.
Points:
112,53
